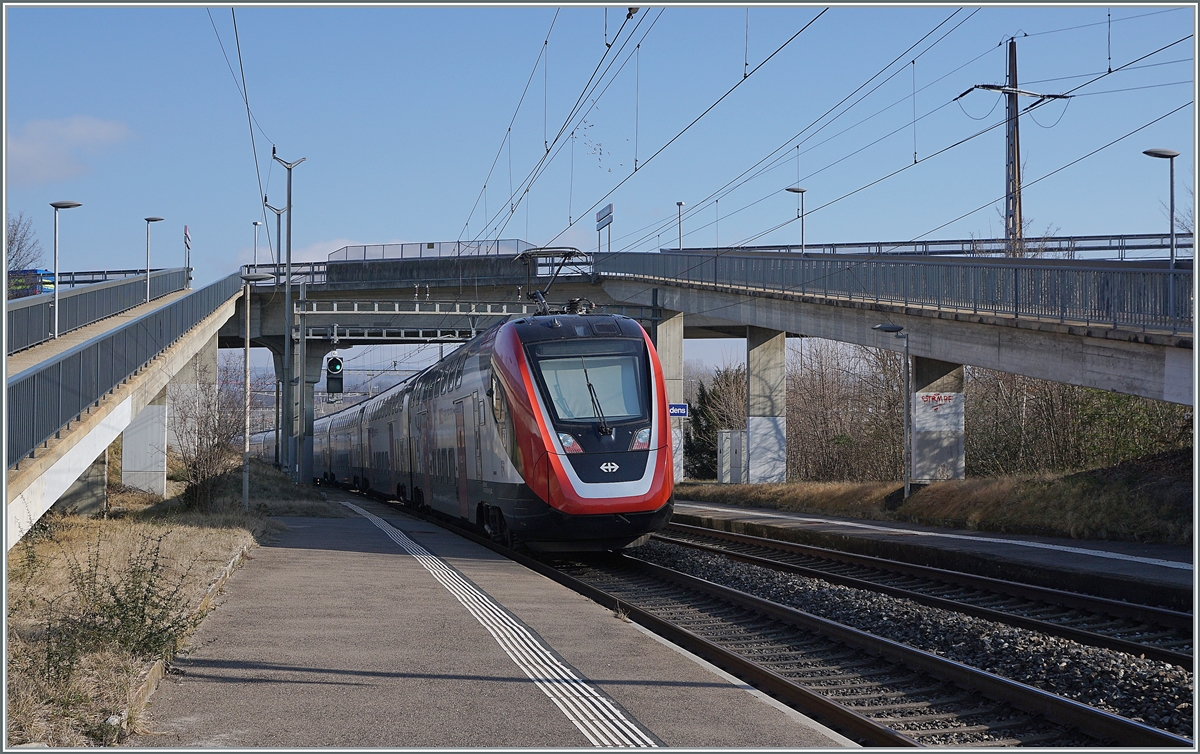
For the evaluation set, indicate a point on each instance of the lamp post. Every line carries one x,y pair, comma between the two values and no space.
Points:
57,206
1169,155
680,206
148,221
800,214
278,220
247,279
256,224
287,318
898,330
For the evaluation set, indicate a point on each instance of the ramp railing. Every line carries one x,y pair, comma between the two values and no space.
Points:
45,398
30,320
1135,295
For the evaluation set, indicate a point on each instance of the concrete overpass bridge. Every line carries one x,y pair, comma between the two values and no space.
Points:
1121,325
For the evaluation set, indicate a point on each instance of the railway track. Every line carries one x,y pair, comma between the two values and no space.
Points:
1153,633
873,690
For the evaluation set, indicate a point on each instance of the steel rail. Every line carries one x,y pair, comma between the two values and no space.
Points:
1162,618
1090,721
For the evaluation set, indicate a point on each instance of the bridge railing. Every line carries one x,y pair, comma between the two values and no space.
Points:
30,320
45,398
1130,245
1127,294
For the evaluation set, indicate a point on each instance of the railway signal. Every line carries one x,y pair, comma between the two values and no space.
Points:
333,375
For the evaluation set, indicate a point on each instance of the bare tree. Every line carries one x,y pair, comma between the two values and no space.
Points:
21,245
206,418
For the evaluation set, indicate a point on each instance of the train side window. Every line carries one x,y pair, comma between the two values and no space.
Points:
458,376
497,400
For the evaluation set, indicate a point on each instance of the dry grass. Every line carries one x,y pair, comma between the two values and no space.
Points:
1146,500
65,701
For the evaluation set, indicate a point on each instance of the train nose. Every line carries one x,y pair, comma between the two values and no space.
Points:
598,468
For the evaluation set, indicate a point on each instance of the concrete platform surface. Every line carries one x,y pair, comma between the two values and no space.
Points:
1137,572
335,635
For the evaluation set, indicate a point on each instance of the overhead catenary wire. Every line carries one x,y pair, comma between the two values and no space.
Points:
556,145
700,116
250,120
1097,150
773,157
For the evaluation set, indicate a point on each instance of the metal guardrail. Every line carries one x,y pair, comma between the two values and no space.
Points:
427,250
1118,294
45,398
312,273
30,320
1062,247
88,277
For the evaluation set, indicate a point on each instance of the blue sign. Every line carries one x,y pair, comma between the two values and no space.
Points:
677,410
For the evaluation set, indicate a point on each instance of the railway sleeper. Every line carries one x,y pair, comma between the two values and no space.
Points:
930,718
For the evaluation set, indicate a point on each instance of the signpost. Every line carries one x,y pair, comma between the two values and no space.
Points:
604,219
677,410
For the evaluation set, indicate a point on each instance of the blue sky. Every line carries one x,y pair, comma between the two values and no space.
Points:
401,111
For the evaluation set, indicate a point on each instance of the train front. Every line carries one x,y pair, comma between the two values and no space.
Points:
593,442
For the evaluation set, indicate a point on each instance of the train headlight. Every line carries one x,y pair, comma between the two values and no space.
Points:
569,443
641,441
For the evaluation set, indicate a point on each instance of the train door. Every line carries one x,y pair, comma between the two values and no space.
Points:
460,448
391,458
425,453
476,423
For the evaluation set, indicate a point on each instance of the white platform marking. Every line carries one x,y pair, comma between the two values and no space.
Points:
593,714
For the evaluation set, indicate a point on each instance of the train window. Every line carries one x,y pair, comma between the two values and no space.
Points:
582,379
497,400
458,376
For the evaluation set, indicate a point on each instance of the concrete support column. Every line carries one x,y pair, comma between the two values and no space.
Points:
314,361
144,448
88,495
193,389
668,341
766,405
938,439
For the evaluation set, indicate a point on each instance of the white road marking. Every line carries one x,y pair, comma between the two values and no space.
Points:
589,710
891,530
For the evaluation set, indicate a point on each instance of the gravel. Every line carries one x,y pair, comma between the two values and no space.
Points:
1158,694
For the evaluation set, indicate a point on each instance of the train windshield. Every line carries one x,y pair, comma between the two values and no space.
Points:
593,380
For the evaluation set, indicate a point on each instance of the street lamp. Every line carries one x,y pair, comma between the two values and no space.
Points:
57,206
247,279
287,317
800,214
898,330
680,206
256,224
1169,155
148,221
278,233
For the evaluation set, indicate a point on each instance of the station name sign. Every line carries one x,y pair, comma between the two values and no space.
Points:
677,410
604,217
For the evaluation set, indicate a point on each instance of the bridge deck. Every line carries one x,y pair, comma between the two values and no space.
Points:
30,357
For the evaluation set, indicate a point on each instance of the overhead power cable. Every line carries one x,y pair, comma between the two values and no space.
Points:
250,121
851,268
698,118
774,157
508,133
568,125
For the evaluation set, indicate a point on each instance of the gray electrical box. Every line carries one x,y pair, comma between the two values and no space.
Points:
731,457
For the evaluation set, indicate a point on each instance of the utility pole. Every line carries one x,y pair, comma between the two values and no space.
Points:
1013,230
288,367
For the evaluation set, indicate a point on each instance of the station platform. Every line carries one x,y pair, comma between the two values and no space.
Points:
1158,575
382,630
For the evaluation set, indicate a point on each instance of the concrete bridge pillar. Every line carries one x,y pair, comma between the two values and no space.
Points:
144,448
938,439
314,362
766,405
668,341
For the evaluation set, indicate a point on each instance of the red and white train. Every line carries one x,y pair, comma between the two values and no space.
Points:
549,430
